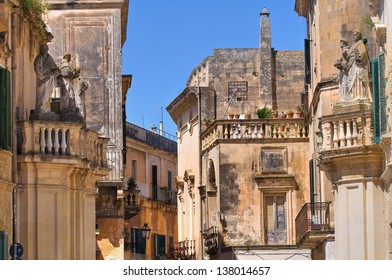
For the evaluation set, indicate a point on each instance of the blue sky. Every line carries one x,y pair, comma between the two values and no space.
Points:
167,39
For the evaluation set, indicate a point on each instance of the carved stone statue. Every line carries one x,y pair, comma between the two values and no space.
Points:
67,97
354,63
46,77
65,78
341,64
80,103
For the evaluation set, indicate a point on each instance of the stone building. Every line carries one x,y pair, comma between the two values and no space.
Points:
241,180
349,133
150,197
54,154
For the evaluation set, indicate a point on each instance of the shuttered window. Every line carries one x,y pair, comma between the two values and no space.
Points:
379,99
5,110
3,245
159,246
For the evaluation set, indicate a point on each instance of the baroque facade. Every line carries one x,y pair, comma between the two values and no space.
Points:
150,196
241,180
60,141
347,61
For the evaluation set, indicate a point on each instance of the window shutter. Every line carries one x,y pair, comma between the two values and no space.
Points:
3,245
376,100
307,62
382,89
5,109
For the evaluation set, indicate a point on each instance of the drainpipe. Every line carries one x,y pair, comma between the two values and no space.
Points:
14,18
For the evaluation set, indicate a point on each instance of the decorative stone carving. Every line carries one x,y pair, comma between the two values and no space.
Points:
62,82
47,73
353,66
5,51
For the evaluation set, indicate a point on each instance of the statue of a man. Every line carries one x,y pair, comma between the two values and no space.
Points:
358,69
47,73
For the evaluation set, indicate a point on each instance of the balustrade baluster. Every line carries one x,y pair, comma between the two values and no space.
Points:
237,131
56,144
297,133
335,135
49,143
263,130
42,141
355,133
348,133
63,146
342,136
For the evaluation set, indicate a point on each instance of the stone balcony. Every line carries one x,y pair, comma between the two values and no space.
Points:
346,142
254,130
58,141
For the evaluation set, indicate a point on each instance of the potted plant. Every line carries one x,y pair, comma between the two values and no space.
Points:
231,116
290,114
247,116
283,115
131,184
275,114
298,112
264,113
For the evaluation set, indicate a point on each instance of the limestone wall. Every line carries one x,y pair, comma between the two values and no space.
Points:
240,197
289,79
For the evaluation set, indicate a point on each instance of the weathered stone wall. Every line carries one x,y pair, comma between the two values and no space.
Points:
235,65
99,59
289,79
240,197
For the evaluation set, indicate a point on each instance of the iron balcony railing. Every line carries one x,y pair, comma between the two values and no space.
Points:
312,217
164,195
210,236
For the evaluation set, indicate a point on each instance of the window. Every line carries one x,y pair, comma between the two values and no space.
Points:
275,219
138,243
154,182
379,100
134,169
5,110
159,246
169,180
3,245
308,75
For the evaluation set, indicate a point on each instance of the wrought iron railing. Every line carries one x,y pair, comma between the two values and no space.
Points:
312,217
165,195
210,236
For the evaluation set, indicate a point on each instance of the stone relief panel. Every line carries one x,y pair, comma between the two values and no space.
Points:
107,204
274,160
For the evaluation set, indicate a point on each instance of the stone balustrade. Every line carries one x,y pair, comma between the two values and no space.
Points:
62,139
346,130
237,130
